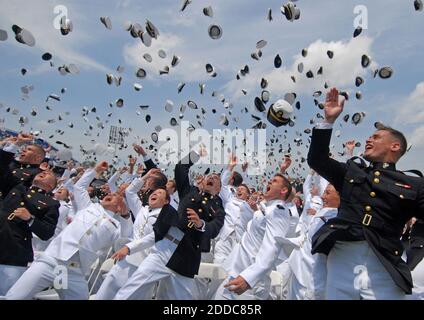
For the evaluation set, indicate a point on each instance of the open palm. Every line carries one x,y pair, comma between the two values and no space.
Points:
333,107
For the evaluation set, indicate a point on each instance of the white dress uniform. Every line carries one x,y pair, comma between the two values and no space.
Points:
143,225
418,280
175,201
68,258
308,272
64,209
257,254
227,237
153,269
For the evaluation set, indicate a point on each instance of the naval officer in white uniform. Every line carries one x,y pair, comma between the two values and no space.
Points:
145,217
93,231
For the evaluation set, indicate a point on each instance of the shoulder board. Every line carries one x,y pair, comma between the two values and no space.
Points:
113,222
358,161
413,171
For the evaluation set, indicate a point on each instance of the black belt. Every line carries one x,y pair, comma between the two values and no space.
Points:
172,239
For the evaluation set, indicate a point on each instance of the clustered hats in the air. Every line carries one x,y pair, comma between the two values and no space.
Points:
256,106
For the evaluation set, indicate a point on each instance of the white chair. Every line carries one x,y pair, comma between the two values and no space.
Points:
49,294
277,281
211,271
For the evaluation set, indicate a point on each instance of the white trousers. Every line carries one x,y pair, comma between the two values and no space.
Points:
354,272
418,279
8,276
115,280
223,248
68,281
153,269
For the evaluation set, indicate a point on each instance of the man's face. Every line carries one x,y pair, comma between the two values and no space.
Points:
242,193
61,194
170,187
45,180
30,155
330,197
115,203
212,184
381,147
275,189
158,199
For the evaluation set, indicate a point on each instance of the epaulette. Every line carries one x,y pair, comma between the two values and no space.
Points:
358,161
416,172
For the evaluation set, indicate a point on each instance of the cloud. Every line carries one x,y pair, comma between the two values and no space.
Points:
411,109
340,71
417,137
38,18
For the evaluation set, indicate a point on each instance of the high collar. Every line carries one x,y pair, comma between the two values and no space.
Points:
27,165
273,202
34,189
383,166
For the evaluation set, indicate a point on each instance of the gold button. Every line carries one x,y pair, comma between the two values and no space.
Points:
22,179
401,196
33,191
22,203
200,210
29,196
205,198
377,173
25,239
351,180
396,252
332,226
14,171
376,180
204,202
192,199
13,193
38,208
372,194
368,208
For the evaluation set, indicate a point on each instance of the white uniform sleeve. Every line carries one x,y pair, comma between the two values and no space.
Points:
112,182
277,225
142,244
134,202
81,196
225,193
11,147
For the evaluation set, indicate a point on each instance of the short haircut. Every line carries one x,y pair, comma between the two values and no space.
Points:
286,184
237,179
398,136
247,188
159,180
174,185
39,150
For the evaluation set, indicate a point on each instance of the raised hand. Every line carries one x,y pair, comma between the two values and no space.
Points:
140,169
101,167
285,164
333,107
233,162
139,149
350,145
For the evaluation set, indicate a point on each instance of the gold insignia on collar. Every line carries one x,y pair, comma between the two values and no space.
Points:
385,165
